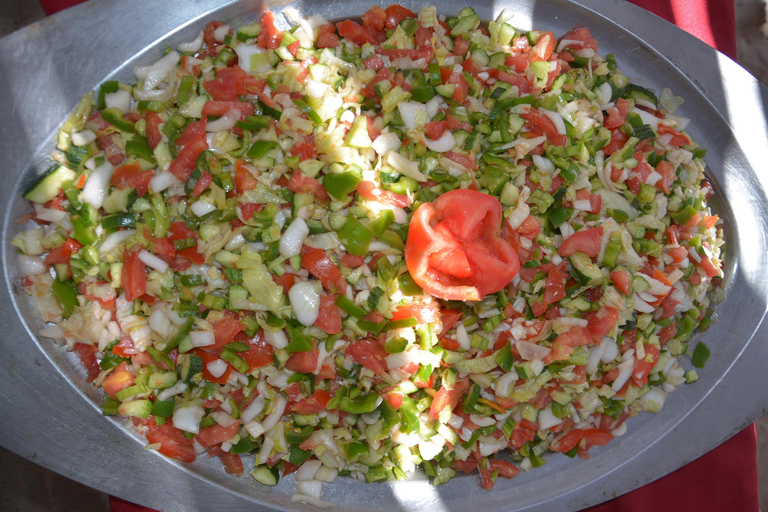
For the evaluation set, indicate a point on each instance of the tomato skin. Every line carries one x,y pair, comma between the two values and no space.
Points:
194,130
87,356
186,160
462,256
621,281
119,379
173,444
228,84
355,32
369,354
601,322
587,241
153,129
260,354
395,14
304,362
225,330
216,434
320,265
313,404
447,398
329,318
133,277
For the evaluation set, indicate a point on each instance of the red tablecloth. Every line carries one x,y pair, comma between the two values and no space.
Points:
724,479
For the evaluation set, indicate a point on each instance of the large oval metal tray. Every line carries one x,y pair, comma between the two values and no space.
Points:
50,415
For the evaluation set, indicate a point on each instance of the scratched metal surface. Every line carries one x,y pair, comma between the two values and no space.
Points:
49,414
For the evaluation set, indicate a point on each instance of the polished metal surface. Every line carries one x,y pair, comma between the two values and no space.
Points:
48,413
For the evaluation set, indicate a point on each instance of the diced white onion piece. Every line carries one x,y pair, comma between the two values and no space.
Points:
647,118
201,208
305,301
462,337
429,449
547,419
83,138
316,89
225,122
202,338
153,261
235,242
245,60
271,420
482,421
642,306
162,181
385,142
531,351
96,186
653,178
33,241
174,390
253,409
404,166
220,32
54,332
277,339
223,419
49,214
217,367
120,99
310,488
192,46
326,474
626,368
487,448
159,322
188,418
293,238
565,43
456,421
569,321
154,74
115,239
605,94
442,145
280,218
544,164
308,470
582,204
31,265
504,384
519,214
401,359
595,353
556,118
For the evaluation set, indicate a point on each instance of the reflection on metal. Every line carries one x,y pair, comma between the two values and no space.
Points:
52,416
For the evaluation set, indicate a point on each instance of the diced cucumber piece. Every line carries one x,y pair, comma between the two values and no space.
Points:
265,474
48,186
191,366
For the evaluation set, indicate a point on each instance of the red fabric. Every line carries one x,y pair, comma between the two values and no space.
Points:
712,21
726,477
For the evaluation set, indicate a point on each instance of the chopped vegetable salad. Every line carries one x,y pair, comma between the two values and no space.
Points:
363,248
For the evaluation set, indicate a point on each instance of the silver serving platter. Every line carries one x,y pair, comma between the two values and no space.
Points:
49,414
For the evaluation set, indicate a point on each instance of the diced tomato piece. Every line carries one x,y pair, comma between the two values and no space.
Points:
462,159
644,366
260,354
425,311
355,32
228,84
216,434
555,289
447,398
220,108
395,14
435,129
369,354
601,322
153,129
305,149
506,469
194,130
519,81
87,356
207,358
225,330
368,190
374,18
329,318
186,160
587,241
678,139
134,276
306,185
593,437
460,46
303,362
119,379
313,404
63,253
621,280
320,265
270,37
202,183
351,261
584,36
543,48
172,442
326,36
